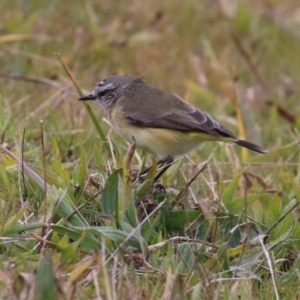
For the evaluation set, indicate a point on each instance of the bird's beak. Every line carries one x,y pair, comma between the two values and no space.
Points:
88,97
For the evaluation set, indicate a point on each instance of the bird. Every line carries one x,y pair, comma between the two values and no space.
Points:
158,121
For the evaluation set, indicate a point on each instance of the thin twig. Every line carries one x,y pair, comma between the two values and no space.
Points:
249,61
281,218
187,185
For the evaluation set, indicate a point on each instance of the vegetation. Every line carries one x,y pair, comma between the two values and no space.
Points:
73,224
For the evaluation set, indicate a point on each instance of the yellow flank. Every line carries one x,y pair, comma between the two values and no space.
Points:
160,141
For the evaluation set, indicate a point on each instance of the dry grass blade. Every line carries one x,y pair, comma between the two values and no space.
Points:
31,79
127,170
44,59
271,269
25,37
88,108
168,292
70,74
175,239
81,270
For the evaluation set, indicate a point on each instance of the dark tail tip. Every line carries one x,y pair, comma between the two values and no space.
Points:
251,146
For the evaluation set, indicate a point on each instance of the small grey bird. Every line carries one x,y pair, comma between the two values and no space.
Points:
160,122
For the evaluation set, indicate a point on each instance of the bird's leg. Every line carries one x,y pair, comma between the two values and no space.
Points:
165,161
167,164
160,162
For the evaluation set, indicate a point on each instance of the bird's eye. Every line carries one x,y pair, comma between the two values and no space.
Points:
103,93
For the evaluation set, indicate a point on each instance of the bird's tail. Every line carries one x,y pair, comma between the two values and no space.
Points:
251,146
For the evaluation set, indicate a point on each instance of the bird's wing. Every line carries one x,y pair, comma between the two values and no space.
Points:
182,117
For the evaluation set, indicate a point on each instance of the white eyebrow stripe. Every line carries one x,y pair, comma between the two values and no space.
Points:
108,85
102,87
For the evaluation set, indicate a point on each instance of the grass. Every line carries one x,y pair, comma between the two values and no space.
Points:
74,226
